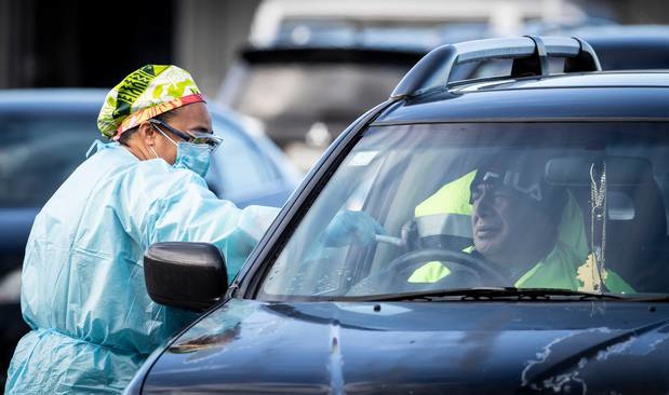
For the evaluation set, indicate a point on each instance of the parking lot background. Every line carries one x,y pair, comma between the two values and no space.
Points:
75,43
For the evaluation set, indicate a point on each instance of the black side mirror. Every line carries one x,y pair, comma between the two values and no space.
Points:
187,275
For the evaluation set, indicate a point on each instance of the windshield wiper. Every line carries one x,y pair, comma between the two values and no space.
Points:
496,293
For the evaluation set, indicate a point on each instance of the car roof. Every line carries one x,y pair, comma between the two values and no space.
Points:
651,78
333,55
51,99
566,97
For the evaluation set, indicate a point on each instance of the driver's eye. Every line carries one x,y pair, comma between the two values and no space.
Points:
477,193
492,192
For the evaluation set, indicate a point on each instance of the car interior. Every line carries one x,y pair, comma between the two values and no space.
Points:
636,243
391,184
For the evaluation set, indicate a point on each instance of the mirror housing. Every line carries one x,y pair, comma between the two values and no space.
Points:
192,276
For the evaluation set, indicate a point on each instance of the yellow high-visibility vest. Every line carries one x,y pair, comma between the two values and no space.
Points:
569,265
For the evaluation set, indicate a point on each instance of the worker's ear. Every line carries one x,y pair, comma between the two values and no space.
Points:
147,133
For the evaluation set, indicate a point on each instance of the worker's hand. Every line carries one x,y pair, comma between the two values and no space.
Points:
352,227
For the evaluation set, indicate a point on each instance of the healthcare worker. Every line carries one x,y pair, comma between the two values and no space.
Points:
83,291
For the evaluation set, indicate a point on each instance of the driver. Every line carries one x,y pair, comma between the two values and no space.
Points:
531,231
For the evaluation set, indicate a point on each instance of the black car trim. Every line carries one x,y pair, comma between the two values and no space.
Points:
523,120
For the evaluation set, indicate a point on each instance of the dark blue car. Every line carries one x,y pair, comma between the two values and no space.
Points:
45,136
524,247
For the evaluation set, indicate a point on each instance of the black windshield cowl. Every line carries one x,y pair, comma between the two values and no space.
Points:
657,299
499,293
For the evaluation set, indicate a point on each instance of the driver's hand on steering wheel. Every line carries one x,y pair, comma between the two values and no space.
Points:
352,227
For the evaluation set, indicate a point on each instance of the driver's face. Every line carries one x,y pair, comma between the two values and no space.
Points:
503,223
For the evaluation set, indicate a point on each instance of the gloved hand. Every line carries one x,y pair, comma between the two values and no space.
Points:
351,227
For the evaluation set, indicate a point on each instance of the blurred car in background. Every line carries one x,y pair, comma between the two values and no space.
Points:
311,81
248,168
618,47
311,66
628,47
289,91
45,136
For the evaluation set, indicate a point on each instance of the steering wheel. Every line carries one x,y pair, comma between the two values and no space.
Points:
484,271
394,277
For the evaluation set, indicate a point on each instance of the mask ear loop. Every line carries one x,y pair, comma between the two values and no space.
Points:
163,134
154,152
598,221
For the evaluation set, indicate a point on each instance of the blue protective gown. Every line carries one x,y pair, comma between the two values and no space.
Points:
83,290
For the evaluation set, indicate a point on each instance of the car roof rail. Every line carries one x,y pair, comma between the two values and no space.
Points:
529,53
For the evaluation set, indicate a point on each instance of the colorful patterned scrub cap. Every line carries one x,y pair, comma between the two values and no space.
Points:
144,94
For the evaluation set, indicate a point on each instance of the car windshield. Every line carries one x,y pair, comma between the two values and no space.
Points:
566,206
38,152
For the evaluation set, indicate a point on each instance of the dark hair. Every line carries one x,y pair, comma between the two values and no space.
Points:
125,137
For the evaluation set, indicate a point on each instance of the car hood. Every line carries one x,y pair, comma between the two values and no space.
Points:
424,347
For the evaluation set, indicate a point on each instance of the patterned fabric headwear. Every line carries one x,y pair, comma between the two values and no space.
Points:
144,94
